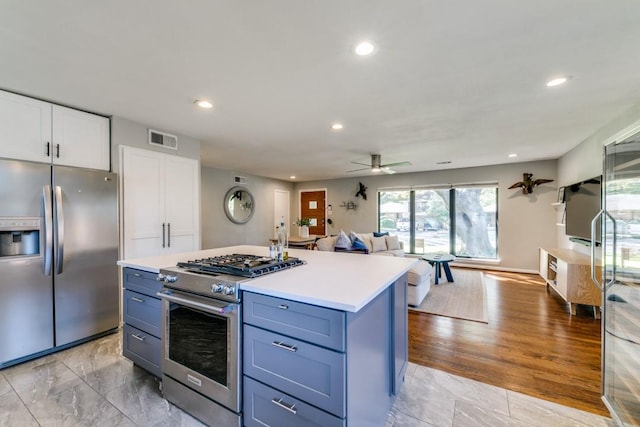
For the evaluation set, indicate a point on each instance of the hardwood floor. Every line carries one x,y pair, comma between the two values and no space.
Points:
531,344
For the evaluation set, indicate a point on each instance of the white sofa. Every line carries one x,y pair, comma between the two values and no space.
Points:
419,283
419,276
383,245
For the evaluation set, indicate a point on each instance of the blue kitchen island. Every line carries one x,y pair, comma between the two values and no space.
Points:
323,344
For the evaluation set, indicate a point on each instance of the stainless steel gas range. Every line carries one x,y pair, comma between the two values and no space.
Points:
201,357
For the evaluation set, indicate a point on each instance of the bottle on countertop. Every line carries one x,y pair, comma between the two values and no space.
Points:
283,242
273,252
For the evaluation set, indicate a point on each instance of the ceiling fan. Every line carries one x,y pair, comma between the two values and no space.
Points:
377,166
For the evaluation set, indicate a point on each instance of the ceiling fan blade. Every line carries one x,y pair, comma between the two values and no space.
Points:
358,170
363,164
387,170
396,164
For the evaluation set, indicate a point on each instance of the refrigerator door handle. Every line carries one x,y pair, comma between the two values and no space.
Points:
169,235
48,229
60,230
163,241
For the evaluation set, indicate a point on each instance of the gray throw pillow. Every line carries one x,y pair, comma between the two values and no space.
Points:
343,241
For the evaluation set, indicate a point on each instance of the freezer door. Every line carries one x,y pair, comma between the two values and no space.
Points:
26,295
85,253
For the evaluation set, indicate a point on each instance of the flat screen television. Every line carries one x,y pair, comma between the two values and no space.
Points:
583,201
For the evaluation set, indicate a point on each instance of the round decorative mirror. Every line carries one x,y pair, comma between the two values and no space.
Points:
239,205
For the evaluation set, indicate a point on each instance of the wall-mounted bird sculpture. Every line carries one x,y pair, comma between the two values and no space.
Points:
362,191
528,183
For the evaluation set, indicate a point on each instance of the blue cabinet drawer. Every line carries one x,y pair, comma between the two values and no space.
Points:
265,406
140,281
142,348
311,373
318,325
143,312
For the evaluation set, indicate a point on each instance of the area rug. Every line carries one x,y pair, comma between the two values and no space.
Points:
465,298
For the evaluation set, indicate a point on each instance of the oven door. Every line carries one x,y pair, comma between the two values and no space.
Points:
201,339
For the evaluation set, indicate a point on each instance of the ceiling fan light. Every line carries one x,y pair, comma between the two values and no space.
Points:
375,169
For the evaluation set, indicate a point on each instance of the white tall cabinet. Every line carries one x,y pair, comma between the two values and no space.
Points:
39,131
161,203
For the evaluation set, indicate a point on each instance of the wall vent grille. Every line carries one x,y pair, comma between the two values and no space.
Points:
163,139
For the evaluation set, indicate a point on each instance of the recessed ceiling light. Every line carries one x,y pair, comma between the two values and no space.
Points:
292,177
364,48
337,126
513,155
203,103
557,81
444,163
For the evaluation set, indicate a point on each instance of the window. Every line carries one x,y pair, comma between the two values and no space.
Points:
393,214
460,220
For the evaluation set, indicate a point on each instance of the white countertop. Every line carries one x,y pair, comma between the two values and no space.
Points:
341,280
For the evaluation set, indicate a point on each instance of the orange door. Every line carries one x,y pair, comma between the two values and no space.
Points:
312,207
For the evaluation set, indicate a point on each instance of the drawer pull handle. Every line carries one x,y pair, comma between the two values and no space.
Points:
136,299
284,405
282,345
283,307
136,274
138,337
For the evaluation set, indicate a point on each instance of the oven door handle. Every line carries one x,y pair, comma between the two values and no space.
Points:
196,304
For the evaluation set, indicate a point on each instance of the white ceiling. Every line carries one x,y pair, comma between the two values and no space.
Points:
456,80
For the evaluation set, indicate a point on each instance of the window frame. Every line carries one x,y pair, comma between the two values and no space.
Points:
411,249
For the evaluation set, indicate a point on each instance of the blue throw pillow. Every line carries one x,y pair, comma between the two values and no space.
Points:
358,244
376,234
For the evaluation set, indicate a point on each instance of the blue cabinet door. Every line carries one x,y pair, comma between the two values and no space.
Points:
143,312
266,406
317,325
311,373
142,348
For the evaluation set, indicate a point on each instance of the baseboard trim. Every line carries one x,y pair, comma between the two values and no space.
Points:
492,267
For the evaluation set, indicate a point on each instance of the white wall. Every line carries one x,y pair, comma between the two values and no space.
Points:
525,222
586,161
217,230
133,134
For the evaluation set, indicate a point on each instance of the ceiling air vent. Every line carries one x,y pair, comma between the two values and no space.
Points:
163,139
240,179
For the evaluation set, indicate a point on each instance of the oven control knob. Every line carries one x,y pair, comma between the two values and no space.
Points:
170,279
229,290
160,278
217,288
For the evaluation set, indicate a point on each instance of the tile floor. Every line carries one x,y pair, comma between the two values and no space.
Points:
93,385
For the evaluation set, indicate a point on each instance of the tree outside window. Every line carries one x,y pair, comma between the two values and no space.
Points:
462,221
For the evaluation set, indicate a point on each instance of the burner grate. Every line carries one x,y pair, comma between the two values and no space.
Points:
243,265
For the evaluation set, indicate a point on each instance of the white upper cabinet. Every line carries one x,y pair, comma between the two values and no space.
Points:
80,139
25,128
161,203
43,132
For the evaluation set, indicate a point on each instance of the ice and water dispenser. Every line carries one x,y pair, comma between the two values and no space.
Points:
19,236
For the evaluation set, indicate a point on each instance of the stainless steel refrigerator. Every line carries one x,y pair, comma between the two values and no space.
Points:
58,253
620,224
